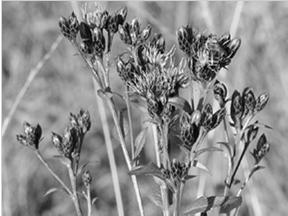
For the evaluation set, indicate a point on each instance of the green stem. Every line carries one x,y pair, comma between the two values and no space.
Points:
75,197
43,161
110,152
125,153
177,199
89,210
130,121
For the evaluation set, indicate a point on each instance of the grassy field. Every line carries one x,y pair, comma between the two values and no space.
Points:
64,85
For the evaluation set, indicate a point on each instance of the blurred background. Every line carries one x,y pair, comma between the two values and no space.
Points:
64,85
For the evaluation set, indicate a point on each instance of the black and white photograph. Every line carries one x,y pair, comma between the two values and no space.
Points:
144,108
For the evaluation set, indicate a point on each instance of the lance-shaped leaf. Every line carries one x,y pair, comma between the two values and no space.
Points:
53,190
208,149
254,170
205,204
139,142
150,169
231,203
197,164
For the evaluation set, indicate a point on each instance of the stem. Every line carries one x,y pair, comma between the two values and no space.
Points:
43,161
130,122
110,152
89,210
166,164
125,153
75,197
29,80
237,165
177,200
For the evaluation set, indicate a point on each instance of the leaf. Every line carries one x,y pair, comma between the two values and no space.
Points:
227,146
209,149
181,103
139,142
197,164
188,177
150,169
51,190
94,200
80,169
255,169
205,204
155,197
230,204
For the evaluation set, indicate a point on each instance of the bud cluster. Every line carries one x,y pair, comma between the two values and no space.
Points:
86,178
92,40
70,27
190,125
246,105
177,173
131,34
153,76
69,144
207,54
31,137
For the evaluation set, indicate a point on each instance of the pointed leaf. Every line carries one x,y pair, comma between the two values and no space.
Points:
51,190
94,200
150,169
205,204
139,142
255,169
80,169
197,164
230,204
209,149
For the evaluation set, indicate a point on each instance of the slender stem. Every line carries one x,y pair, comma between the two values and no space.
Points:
237,165
43,161
30,78
166,164
125,153
110,152
75,197
89,210
177,200
130,121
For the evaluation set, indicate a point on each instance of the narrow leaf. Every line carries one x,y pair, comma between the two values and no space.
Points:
150,169
197,164
255,169
209,149
139,142
50,191
94,200
230,204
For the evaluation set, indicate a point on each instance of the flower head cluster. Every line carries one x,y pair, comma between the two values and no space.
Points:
191,124
207,54
153,75
92,40
69,144
132,35
177,173
31,137
246,105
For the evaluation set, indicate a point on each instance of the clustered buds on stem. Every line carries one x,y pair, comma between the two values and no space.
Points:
207,54
246,105
69,145
86,178
31,137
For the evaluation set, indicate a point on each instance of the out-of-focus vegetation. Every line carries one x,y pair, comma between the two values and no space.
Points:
64,85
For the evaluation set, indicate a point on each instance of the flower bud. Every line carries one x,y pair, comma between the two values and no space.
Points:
57,142
31,137
220,92
261,149
249,101
250,133
70,140
261,101
234,46
236,108
84,121
146,33
122,14
86,178
85,33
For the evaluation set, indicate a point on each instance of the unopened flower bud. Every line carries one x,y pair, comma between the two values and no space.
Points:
146,33
86,178
261,101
